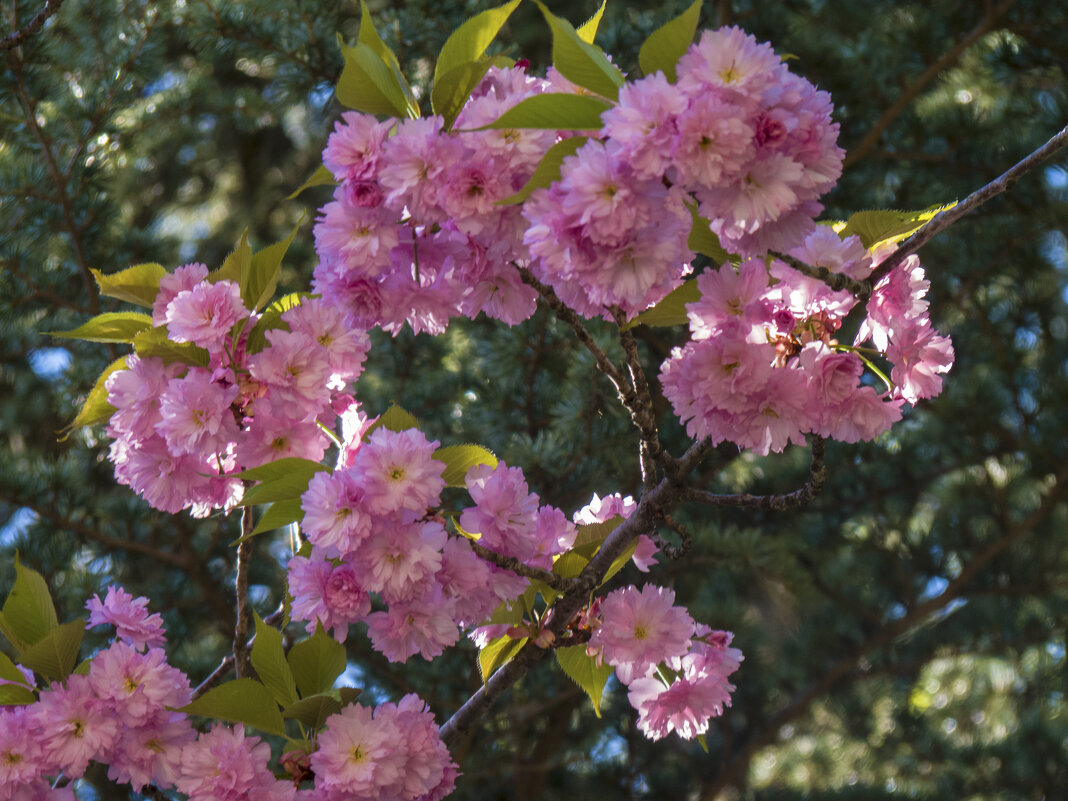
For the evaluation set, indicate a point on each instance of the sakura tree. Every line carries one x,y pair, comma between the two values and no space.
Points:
687,197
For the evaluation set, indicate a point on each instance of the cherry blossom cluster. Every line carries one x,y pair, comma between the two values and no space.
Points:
675,669
120,713
379,544
181,432
415,233
763,366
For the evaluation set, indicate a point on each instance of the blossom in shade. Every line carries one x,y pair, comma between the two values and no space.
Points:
424,626
137,686
129,616
354,754
73,726
21,761
226,765
641,628
333,595
505,511
150,753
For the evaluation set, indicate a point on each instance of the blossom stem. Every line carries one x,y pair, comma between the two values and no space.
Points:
836,281
241,627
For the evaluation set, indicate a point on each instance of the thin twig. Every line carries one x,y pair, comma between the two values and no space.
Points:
836,281
641,414
521,569
676,551
566,315
944,219
227,662
790,500
34,25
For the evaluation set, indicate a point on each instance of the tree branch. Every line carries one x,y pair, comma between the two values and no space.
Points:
790,500
244,616
836,281
944,219
918,613
521,569
34,25
886,119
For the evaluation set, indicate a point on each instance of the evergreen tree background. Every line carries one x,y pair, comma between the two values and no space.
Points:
904,634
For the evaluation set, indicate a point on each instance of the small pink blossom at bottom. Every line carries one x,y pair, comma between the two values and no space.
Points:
129,616
20,756
150,754
354,755
225,765
685,707
74,727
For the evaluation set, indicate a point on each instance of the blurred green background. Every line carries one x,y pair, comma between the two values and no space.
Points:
904,634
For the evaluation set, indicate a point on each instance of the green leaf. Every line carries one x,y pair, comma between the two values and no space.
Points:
393,419
497,653
138,284
369,37
280,489
452,89
9,671
321,177
95,408
587,31
662,50
582,63
469,42
15,695
702,239
592,535
265,272
313,710
619,562
885,225
28,614
240,701
509,612
548,169
282,480
55,656
271,319
269,660
278,514
671,310
570,564
347,695
369,84
236,266
155,343
109,327
701,741
583,670
317,662
554,110
282,468
458,459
